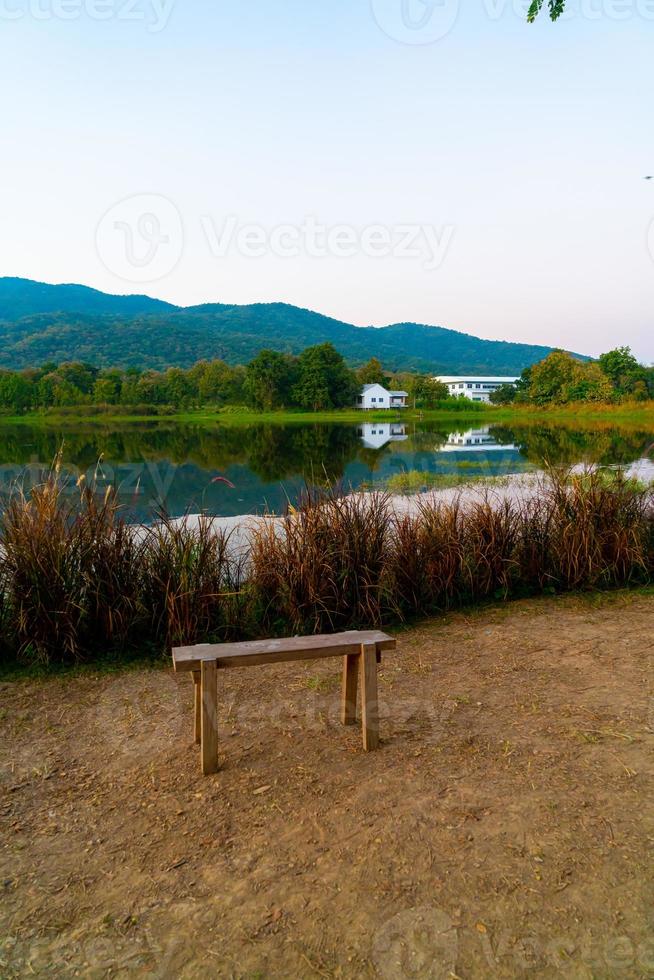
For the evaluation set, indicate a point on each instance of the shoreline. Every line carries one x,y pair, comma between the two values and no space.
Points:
527,414
515,488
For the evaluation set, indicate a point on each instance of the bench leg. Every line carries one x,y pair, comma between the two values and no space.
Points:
369,703
197,706
209,717
349,689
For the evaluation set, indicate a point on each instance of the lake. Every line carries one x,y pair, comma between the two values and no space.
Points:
229,470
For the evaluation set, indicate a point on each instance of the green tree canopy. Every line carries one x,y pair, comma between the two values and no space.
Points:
324,380
425,391
269,379
623,370
372,373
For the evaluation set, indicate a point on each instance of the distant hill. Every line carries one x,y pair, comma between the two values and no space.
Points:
24,297
41,322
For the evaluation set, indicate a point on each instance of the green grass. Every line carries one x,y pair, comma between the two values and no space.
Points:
413,481
246,416
241,415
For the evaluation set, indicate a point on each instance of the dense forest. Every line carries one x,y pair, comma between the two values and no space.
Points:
41,323
317,380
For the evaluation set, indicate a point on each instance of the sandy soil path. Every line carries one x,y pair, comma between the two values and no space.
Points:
504,829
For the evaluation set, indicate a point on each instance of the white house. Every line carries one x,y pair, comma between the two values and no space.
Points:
376,396
374,435
475,388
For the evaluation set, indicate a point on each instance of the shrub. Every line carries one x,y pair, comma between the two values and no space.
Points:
77,581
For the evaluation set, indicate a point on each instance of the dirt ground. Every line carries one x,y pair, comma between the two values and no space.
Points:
504,829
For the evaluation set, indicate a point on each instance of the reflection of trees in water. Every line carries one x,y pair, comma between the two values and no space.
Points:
560,445
272,452
373,458
317,453
429,438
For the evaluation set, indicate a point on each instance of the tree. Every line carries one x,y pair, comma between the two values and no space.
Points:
554,7
16,391
217,383
561,378
268,380
588,384
426,392
178,387
548,378
79,375
623,370
324,380
504,395
105,391
372,373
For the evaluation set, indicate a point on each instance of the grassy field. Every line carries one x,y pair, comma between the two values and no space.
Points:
631,413
242,416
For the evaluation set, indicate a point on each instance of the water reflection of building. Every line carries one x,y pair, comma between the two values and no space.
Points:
374,435
480,440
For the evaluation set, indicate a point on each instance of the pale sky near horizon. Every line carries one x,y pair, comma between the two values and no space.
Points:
202,150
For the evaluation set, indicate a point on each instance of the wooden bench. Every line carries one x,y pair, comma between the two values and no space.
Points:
361,651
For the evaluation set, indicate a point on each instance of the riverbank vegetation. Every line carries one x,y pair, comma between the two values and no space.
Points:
315,384
317,380
561,379
79,583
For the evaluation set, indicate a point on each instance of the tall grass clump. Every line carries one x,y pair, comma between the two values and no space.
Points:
602,530
112,565
46,588
191,583
70,568
78,581
427,558
321,568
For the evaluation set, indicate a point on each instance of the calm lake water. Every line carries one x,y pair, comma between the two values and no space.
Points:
185,466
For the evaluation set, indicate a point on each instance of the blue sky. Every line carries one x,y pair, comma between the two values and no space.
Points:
376,161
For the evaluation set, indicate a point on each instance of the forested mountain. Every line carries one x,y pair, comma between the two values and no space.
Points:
24,297
40,323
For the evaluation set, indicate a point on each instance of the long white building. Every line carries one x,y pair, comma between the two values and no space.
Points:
477,389
475,440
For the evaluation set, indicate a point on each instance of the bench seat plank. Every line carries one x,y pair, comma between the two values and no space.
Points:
250,653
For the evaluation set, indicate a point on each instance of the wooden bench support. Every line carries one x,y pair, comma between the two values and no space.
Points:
369,701
197,706
209,717
349,689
